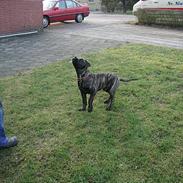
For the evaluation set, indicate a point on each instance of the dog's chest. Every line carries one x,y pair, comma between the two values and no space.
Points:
85,84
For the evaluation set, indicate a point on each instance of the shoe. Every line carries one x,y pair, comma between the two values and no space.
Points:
11,143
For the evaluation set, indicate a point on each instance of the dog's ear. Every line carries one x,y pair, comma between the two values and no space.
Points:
87,63
75,58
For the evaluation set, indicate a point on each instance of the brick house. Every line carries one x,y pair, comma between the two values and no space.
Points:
20,16
93,4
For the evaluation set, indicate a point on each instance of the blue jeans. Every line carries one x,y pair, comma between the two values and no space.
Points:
3,138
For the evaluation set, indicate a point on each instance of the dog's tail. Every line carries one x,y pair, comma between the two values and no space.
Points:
128,80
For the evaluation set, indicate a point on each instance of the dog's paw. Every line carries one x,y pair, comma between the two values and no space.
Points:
82,109
108,108
90,110
106,101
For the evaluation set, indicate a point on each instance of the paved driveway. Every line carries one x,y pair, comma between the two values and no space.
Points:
61,41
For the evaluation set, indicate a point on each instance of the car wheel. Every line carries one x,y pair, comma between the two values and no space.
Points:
45,22
79,18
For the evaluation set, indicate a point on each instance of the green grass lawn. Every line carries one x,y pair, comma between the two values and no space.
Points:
140,140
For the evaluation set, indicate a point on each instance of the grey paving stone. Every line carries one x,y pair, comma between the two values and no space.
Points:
62,41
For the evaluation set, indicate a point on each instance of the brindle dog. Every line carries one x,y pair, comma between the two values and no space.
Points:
89,83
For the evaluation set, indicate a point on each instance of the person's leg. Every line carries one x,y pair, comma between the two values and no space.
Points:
5,142
3,138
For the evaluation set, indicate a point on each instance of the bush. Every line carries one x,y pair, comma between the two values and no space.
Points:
160,17
117,5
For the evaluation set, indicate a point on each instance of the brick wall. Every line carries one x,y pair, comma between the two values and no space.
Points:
17,16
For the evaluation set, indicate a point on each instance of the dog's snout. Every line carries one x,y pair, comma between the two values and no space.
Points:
74,59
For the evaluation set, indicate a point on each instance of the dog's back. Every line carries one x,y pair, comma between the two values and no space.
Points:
96,82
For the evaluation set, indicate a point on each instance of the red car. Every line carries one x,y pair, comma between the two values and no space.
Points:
62,10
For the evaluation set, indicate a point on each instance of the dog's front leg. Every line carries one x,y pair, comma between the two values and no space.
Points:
90,102
84,101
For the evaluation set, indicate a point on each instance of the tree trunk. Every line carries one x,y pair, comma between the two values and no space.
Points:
124,5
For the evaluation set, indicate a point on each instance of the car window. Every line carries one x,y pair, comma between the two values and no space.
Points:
70,4
61,5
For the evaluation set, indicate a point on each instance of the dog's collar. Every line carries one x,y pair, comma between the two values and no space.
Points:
83,78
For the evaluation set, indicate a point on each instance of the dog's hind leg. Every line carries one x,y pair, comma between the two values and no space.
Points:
112,92
110,101
84,101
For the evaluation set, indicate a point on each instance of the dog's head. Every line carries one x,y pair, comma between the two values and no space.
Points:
80,64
